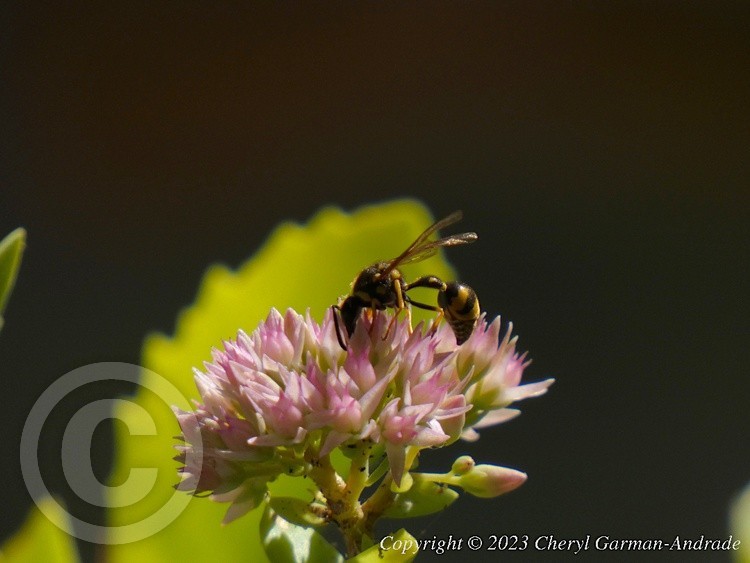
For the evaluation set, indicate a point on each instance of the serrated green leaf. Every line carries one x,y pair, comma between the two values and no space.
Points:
399,547
299,266
423,498
286,543
11,251
41,540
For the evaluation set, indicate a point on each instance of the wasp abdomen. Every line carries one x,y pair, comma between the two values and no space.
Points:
460,306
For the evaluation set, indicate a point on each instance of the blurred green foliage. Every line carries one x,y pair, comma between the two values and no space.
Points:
11,251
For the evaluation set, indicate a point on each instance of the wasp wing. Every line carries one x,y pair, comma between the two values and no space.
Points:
418,245
431,248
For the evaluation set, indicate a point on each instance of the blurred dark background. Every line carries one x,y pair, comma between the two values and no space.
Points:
601,150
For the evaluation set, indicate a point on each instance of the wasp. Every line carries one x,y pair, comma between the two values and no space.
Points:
382,286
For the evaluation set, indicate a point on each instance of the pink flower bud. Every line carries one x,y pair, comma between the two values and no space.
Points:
487,481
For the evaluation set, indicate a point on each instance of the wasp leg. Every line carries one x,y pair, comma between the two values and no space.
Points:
336,313
393,320
401,304
419,305
438,310
371,312
433,282
436,322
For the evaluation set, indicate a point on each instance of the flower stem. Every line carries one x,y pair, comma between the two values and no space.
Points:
342,497
358,471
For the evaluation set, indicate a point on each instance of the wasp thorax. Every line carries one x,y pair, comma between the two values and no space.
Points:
375,286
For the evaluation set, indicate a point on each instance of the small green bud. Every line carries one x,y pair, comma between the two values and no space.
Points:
463,465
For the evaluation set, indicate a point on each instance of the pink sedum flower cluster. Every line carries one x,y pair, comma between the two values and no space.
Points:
285,395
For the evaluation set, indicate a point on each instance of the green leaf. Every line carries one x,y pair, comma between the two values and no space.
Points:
297,511
739,525
299,267
11,250
39,539
423,498
399,547
287,543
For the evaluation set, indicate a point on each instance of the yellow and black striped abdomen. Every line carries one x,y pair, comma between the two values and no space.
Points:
460,306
